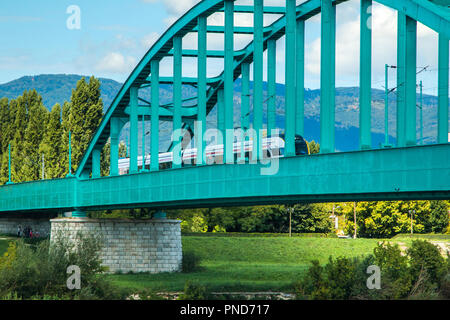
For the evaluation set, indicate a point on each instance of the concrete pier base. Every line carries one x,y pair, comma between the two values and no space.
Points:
38,223
129,245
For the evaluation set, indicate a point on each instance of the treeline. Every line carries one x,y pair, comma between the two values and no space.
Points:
36,134
382,219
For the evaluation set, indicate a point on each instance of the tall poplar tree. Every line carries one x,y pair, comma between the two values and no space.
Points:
51,146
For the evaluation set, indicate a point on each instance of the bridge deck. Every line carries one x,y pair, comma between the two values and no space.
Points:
421,172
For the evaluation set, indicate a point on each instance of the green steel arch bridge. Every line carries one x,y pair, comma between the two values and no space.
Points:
406,171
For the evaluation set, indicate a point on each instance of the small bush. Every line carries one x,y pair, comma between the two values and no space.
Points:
40,271
426,256
193,291
191,262
422,274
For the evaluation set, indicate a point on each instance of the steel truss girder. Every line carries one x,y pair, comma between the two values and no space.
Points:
420,10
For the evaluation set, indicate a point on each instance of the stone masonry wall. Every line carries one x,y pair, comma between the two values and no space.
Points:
130,245
9,226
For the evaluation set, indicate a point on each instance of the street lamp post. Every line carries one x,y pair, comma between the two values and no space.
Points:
386,106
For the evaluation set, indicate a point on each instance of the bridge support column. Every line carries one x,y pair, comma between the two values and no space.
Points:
271,85
300,78
258,42
411,85
327,76
114,156
245,96
128,245
401,79
365,76
177,98
96,159
290,101
229,81
134,129
202,97
154,165
443,105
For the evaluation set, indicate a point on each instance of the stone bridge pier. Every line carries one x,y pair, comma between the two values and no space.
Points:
152,246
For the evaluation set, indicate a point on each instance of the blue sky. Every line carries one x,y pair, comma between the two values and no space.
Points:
115,34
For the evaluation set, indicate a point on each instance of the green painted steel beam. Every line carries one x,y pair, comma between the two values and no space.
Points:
258,42
114,156
221,29
96,158
154,146
290,74
192,53
229,81
202,90
177,94
300,77
271,85
443,89
421,10
188,80
365,76
401,79
411,84
164,112
327,77
267,9
412,173
133,129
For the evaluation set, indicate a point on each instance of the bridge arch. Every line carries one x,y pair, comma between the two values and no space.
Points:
289,24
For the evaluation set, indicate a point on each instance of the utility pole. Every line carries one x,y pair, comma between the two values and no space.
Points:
421,113
70,156
386,106
43,167
411,212
9,165
290,209
354,217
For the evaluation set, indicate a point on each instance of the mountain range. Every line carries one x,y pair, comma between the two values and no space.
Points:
58,88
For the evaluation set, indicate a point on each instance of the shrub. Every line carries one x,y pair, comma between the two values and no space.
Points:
395,273
193,291
34,272
191,262
424,255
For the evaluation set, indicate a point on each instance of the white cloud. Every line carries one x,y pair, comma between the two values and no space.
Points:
115,62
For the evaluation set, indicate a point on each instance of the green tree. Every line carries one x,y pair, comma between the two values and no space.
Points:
81,116
34,134
313,147
51,146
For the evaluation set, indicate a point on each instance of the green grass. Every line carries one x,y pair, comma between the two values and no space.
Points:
3,246
248,263
428,237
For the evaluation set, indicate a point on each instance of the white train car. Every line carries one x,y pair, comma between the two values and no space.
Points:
272,148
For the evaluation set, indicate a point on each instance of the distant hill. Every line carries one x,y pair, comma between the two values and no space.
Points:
58,88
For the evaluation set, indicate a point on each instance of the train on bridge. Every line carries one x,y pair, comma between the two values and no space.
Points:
272,147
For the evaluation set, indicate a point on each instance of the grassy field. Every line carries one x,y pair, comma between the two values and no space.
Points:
248,264
252,263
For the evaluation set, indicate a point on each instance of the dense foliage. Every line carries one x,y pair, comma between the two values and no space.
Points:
36,134
422,273
40,271
388,218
